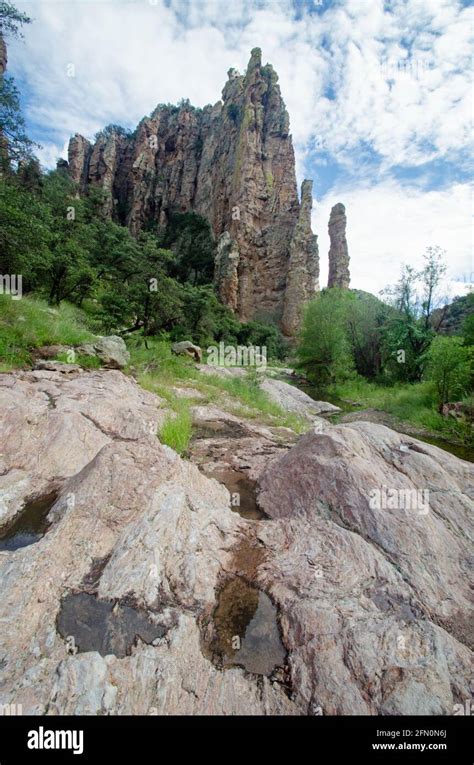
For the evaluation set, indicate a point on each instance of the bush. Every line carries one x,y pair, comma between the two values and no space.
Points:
324,351
450,368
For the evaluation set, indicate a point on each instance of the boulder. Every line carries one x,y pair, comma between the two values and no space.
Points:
112,351
292,399
48,351
187,348
373,588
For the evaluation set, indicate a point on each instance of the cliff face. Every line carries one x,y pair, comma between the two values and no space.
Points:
232,163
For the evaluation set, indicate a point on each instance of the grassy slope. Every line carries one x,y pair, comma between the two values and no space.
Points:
30,323
413,403
158,370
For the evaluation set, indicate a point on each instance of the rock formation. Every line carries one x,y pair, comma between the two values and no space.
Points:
372,602
303,270
3,56
339,275
233,163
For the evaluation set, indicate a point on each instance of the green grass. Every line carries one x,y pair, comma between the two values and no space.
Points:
176,430
30,323
412,402
84,361
157,368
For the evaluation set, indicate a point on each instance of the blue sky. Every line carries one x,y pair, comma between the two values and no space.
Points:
379,97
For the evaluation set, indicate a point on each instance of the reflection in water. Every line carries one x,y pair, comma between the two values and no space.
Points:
30,525
243,492
246,629
98,625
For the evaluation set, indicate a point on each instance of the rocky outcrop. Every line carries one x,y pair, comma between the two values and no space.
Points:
133,525
292,399
110,350
303,269
79,154
233,163
3,56
187,348
339,275
371,615
371,598
226,271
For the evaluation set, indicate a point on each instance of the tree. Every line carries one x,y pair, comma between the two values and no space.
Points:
366,318
189,235
15,146
431,276
324,350
11,20
408,334
449,367
25,235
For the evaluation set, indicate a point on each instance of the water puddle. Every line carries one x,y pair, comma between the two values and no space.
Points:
104,626
244,630
30,525
243,493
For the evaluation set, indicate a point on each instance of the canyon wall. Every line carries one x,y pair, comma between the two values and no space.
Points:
232,163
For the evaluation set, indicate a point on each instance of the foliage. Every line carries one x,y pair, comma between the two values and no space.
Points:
408,334
15,146
365,321
234,113
11,20
450,368
189,236
324,350
29,323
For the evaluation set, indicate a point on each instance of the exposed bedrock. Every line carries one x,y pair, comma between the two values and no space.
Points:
370,605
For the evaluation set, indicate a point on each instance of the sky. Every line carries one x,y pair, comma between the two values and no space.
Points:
379,94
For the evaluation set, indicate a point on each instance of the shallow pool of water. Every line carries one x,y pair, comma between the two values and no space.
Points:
101,625
245,629
243,493
31,524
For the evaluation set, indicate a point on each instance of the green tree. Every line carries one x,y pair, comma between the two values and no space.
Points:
324,350
15,146
408,334
11,20
449,367
189,235
366,319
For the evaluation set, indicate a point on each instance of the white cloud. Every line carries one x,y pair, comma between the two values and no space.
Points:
389,224
408,103
398,82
